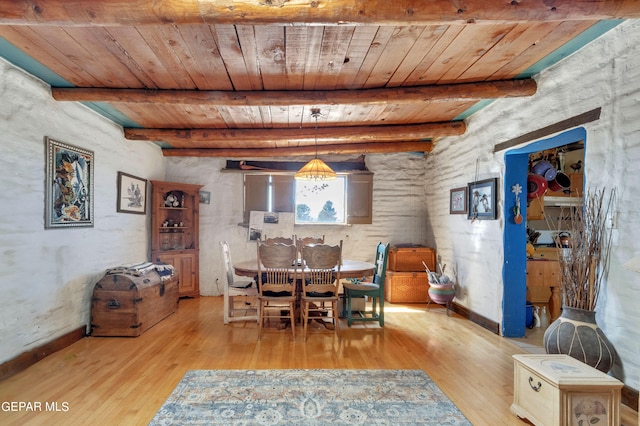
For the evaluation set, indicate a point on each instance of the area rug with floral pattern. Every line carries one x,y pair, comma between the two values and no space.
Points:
307,397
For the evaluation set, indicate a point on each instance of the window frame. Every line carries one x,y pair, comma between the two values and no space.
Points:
359,189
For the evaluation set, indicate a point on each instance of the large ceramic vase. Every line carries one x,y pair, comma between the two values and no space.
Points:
575,333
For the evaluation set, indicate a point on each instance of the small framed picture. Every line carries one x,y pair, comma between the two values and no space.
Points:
458,201
69,185
132,194
483,199
204,197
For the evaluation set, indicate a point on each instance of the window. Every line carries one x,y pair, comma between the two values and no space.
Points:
350,197
321,202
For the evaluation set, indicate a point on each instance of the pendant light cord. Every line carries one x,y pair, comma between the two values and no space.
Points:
316,139
315,113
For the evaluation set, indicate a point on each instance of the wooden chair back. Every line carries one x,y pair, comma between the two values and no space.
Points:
276,270
301,242
321,274
235,288
226,259
279,240
382,253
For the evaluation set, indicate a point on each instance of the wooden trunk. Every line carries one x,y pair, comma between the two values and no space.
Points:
128,305
406,287
410,258
557,390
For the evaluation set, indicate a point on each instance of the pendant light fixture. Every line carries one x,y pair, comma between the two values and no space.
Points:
315,169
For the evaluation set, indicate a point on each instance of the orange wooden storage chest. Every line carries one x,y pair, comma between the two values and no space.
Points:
406,287
410,258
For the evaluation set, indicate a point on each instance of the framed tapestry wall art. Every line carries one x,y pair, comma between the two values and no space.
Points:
68,185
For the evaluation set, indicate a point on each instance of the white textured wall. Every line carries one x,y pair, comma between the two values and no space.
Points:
47,276
605,74
398,212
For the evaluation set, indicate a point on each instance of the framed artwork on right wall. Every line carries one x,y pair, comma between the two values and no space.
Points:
482,199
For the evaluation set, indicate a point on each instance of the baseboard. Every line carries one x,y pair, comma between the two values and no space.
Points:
629,397
483,322
27,359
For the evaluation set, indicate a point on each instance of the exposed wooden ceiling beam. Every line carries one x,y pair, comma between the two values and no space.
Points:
305,12
284,138
356,148
399,95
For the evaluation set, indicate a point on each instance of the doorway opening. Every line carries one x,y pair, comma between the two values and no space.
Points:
514,270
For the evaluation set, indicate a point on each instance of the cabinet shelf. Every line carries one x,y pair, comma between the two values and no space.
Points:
173,208
175,250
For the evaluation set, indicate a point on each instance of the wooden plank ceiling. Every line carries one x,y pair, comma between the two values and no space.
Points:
239,78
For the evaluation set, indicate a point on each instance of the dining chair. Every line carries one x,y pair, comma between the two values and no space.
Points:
279,240
320,278
373,289
235,289
277,278
301,242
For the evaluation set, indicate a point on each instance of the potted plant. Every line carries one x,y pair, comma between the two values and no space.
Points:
583,266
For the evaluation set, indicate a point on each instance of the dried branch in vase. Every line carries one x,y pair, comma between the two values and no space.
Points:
585,263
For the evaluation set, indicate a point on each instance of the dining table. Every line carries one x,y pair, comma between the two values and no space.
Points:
349,269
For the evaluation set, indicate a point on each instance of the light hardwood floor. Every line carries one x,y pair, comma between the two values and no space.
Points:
124,381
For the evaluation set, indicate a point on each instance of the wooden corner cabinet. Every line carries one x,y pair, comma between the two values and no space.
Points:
174,232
